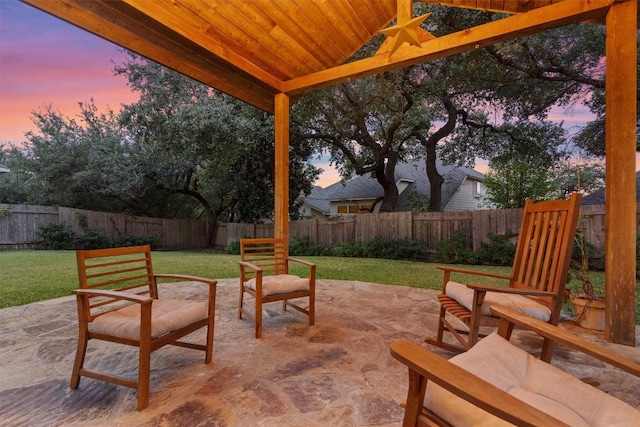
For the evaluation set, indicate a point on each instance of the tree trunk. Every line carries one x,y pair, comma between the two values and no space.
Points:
386,178
435,180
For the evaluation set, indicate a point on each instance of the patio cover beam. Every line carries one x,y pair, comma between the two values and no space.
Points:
535,21
620,190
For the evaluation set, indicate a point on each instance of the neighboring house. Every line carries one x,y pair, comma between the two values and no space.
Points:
3,168
462,190
597,197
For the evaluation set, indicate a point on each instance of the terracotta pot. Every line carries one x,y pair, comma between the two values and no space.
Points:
589,313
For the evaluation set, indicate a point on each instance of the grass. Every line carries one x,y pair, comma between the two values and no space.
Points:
28,276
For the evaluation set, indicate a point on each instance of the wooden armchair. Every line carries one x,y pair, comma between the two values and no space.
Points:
496,383
536,285
264,274
118,302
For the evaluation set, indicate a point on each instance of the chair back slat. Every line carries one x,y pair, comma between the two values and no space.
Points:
543,251
268,254
120,269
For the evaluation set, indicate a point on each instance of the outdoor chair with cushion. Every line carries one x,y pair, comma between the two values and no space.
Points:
496,383
118,302
536,285
264,274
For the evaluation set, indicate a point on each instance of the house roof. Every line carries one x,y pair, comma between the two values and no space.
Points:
366,187
256,49
597,197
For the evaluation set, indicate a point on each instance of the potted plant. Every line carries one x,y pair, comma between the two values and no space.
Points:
587,299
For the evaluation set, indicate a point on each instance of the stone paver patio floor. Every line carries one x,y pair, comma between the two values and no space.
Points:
336,373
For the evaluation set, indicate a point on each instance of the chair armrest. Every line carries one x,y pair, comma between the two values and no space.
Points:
125,296
509,316
312,266
505,290
428,365
301,261
249,265
450,269
185,277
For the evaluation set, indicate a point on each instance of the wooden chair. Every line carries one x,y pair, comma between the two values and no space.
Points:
264,274
118,302
496,383
536,284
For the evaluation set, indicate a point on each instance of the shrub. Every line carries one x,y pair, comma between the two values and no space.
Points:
407,249
61,236
131,240
412,250
233,248
382,247
454,251
56,236
499,250
348,249
92,239
301,246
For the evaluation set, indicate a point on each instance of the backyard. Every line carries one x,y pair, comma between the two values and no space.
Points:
29,276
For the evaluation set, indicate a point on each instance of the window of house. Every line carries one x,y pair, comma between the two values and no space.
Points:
475,188
353,209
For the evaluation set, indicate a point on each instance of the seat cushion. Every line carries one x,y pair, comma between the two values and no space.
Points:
166,316
537,383
464,295
280,284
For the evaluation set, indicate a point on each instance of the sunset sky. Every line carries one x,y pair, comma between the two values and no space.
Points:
46,61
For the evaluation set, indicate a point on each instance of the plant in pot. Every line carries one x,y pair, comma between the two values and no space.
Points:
587,298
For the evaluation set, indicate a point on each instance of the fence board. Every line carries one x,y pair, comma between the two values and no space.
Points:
19,227
19,224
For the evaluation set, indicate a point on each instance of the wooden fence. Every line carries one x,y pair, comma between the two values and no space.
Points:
19,225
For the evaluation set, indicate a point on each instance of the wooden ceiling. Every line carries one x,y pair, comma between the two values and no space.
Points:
254,49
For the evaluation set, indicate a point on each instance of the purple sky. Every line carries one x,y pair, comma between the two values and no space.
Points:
46,61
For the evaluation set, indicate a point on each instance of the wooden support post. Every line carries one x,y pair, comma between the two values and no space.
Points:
620,193
281,173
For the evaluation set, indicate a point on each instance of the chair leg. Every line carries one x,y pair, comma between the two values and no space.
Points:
312,310
547,350
144,371
443,313
474,323
241,301
79,362
210,329
258,317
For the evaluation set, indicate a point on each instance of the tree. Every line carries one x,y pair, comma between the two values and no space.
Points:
435,110
578,177
526,154
183,149
363,125
75,163
565,67
14,185
205,146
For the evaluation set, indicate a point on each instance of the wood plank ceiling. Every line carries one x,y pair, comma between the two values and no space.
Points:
247,49
244,48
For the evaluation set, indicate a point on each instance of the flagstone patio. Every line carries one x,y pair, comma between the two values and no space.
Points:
336,373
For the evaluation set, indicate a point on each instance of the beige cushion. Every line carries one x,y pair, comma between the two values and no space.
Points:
535,382
166,316
464,296
280,284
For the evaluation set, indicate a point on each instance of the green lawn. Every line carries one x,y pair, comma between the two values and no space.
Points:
34,275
